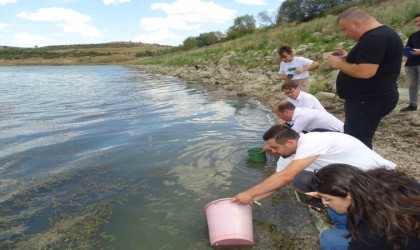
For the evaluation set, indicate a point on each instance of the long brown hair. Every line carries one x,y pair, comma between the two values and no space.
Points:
385,201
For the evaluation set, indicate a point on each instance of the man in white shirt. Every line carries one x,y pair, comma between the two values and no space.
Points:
311,151
295,68
300,98
306,120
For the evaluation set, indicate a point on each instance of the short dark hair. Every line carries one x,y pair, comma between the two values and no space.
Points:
285,105
284,49
289,85
416,15
281,134
354,13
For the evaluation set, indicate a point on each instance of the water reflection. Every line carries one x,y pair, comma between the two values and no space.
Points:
115,158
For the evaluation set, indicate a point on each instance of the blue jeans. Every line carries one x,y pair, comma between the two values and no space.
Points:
363,116
333,239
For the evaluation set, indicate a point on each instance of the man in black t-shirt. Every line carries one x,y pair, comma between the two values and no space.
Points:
412,66
367,80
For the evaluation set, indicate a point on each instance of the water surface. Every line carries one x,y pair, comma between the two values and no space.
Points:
116,158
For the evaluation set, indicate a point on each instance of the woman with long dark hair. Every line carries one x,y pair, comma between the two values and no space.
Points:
375,209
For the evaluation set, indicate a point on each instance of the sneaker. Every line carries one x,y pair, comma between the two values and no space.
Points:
410,107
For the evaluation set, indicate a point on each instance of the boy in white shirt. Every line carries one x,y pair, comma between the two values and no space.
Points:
300,98
295,68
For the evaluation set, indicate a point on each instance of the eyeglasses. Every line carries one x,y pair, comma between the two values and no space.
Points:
316,178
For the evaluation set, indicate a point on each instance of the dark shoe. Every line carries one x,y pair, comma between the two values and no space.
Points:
410,107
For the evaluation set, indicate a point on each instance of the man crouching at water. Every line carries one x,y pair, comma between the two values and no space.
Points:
312,151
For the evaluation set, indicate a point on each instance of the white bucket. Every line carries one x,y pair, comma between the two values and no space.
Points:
230,224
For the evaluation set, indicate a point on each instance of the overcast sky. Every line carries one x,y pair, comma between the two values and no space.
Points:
29,23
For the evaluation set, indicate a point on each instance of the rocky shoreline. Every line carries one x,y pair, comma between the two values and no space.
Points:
260,83
398,135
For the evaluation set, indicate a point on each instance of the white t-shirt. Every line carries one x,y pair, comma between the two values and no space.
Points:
297,62
305,119
306,100
283,162
334,147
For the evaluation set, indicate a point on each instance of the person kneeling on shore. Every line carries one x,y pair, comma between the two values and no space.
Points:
374,209
306,119
310,152
299,98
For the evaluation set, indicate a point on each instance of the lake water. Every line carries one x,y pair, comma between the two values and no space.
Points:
112,157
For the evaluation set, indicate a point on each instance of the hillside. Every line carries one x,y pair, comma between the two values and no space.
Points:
253,57
234,65
318,36
121,53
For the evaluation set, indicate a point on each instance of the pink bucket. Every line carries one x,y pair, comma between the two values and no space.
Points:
230,224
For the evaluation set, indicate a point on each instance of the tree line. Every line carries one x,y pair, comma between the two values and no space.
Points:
22,53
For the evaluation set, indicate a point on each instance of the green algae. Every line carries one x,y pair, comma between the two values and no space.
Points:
67,210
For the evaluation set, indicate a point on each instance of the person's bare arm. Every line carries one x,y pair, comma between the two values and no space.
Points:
283,77
280,122
363,70
275,181
415,52
310,67
262,197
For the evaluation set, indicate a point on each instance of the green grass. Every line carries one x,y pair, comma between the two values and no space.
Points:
322,33
311,39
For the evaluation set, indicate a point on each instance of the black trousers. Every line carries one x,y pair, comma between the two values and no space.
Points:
302,181
362,117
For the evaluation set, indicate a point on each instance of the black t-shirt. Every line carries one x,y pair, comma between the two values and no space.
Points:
368,241
381,46
413,42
